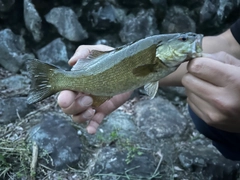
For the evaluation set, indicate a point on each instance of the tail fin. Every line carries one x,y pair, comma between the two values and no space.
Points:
40,85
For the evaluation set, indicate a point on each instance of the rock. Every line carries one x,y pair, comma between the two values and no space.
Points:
5,5
32,20
210,165
134,3
214,12
112,163
177,20
12,51
208,11
11,109
66,22
102,16
54,53
225,9
159,119
140,26
190,3
173,92
117,126
109,39
59,139
160,7
14,85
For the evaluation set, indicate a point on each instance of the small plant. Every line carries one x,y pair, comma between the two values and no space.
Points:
132,151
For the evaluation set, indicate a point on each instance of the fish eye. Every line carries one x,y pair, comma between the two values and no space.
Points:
182,38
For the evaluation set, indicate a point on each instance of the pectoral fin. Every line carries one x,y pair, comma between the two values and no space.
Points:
144,70
98,100
151,89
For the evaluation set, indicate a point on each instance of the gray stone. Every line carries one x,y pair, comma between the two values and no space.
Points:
59,139
211,165
214,13
12,51
178,20
66,22
208,11
11,109
160,7
117,126
14,85
113,164
103,16
32,20
133,3
5,5
159,119
140,26
226,8
55,53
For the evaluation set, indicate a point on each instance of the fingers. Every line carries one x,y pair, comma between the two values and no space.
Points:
214,72
66,98
95,122
207,112
199,87
84,50
72,103
224,58
84,115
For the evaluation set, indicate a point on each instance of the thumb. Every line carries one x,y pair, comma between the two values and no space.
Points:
224,58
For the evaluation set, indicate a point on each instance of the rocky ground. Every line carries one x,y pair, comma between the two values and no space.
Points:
143,139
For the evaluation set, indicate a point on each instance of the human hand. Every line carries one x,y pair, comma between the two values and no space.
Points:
213,90
79,105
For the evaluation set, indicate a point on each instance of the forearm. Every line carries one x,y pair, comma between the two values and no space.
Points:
211,44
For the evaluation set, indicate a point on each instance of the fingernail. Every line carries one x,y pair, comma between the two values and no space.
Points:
86,101
88,114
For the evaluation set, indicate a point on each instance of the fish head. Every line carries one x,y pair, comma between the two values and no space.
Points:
182,47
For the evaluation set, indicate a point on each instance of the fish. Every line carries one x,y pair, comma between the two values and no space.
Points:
102,75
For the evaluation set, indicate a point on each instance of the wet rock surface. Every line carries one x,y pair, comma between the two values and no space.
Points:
143,139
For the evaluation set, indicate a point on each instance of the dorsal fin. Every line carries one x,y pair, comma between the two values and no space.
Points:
84,63
95,53
80,64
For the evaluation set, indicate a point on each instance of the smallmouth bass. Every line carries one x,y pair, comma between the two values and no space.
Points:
105,74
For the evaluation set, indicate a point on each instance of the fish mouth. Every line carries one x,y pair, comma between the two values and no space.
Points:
197,46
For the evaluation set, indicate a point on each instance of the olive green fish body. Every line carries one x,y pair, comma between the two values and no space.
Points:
105,74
